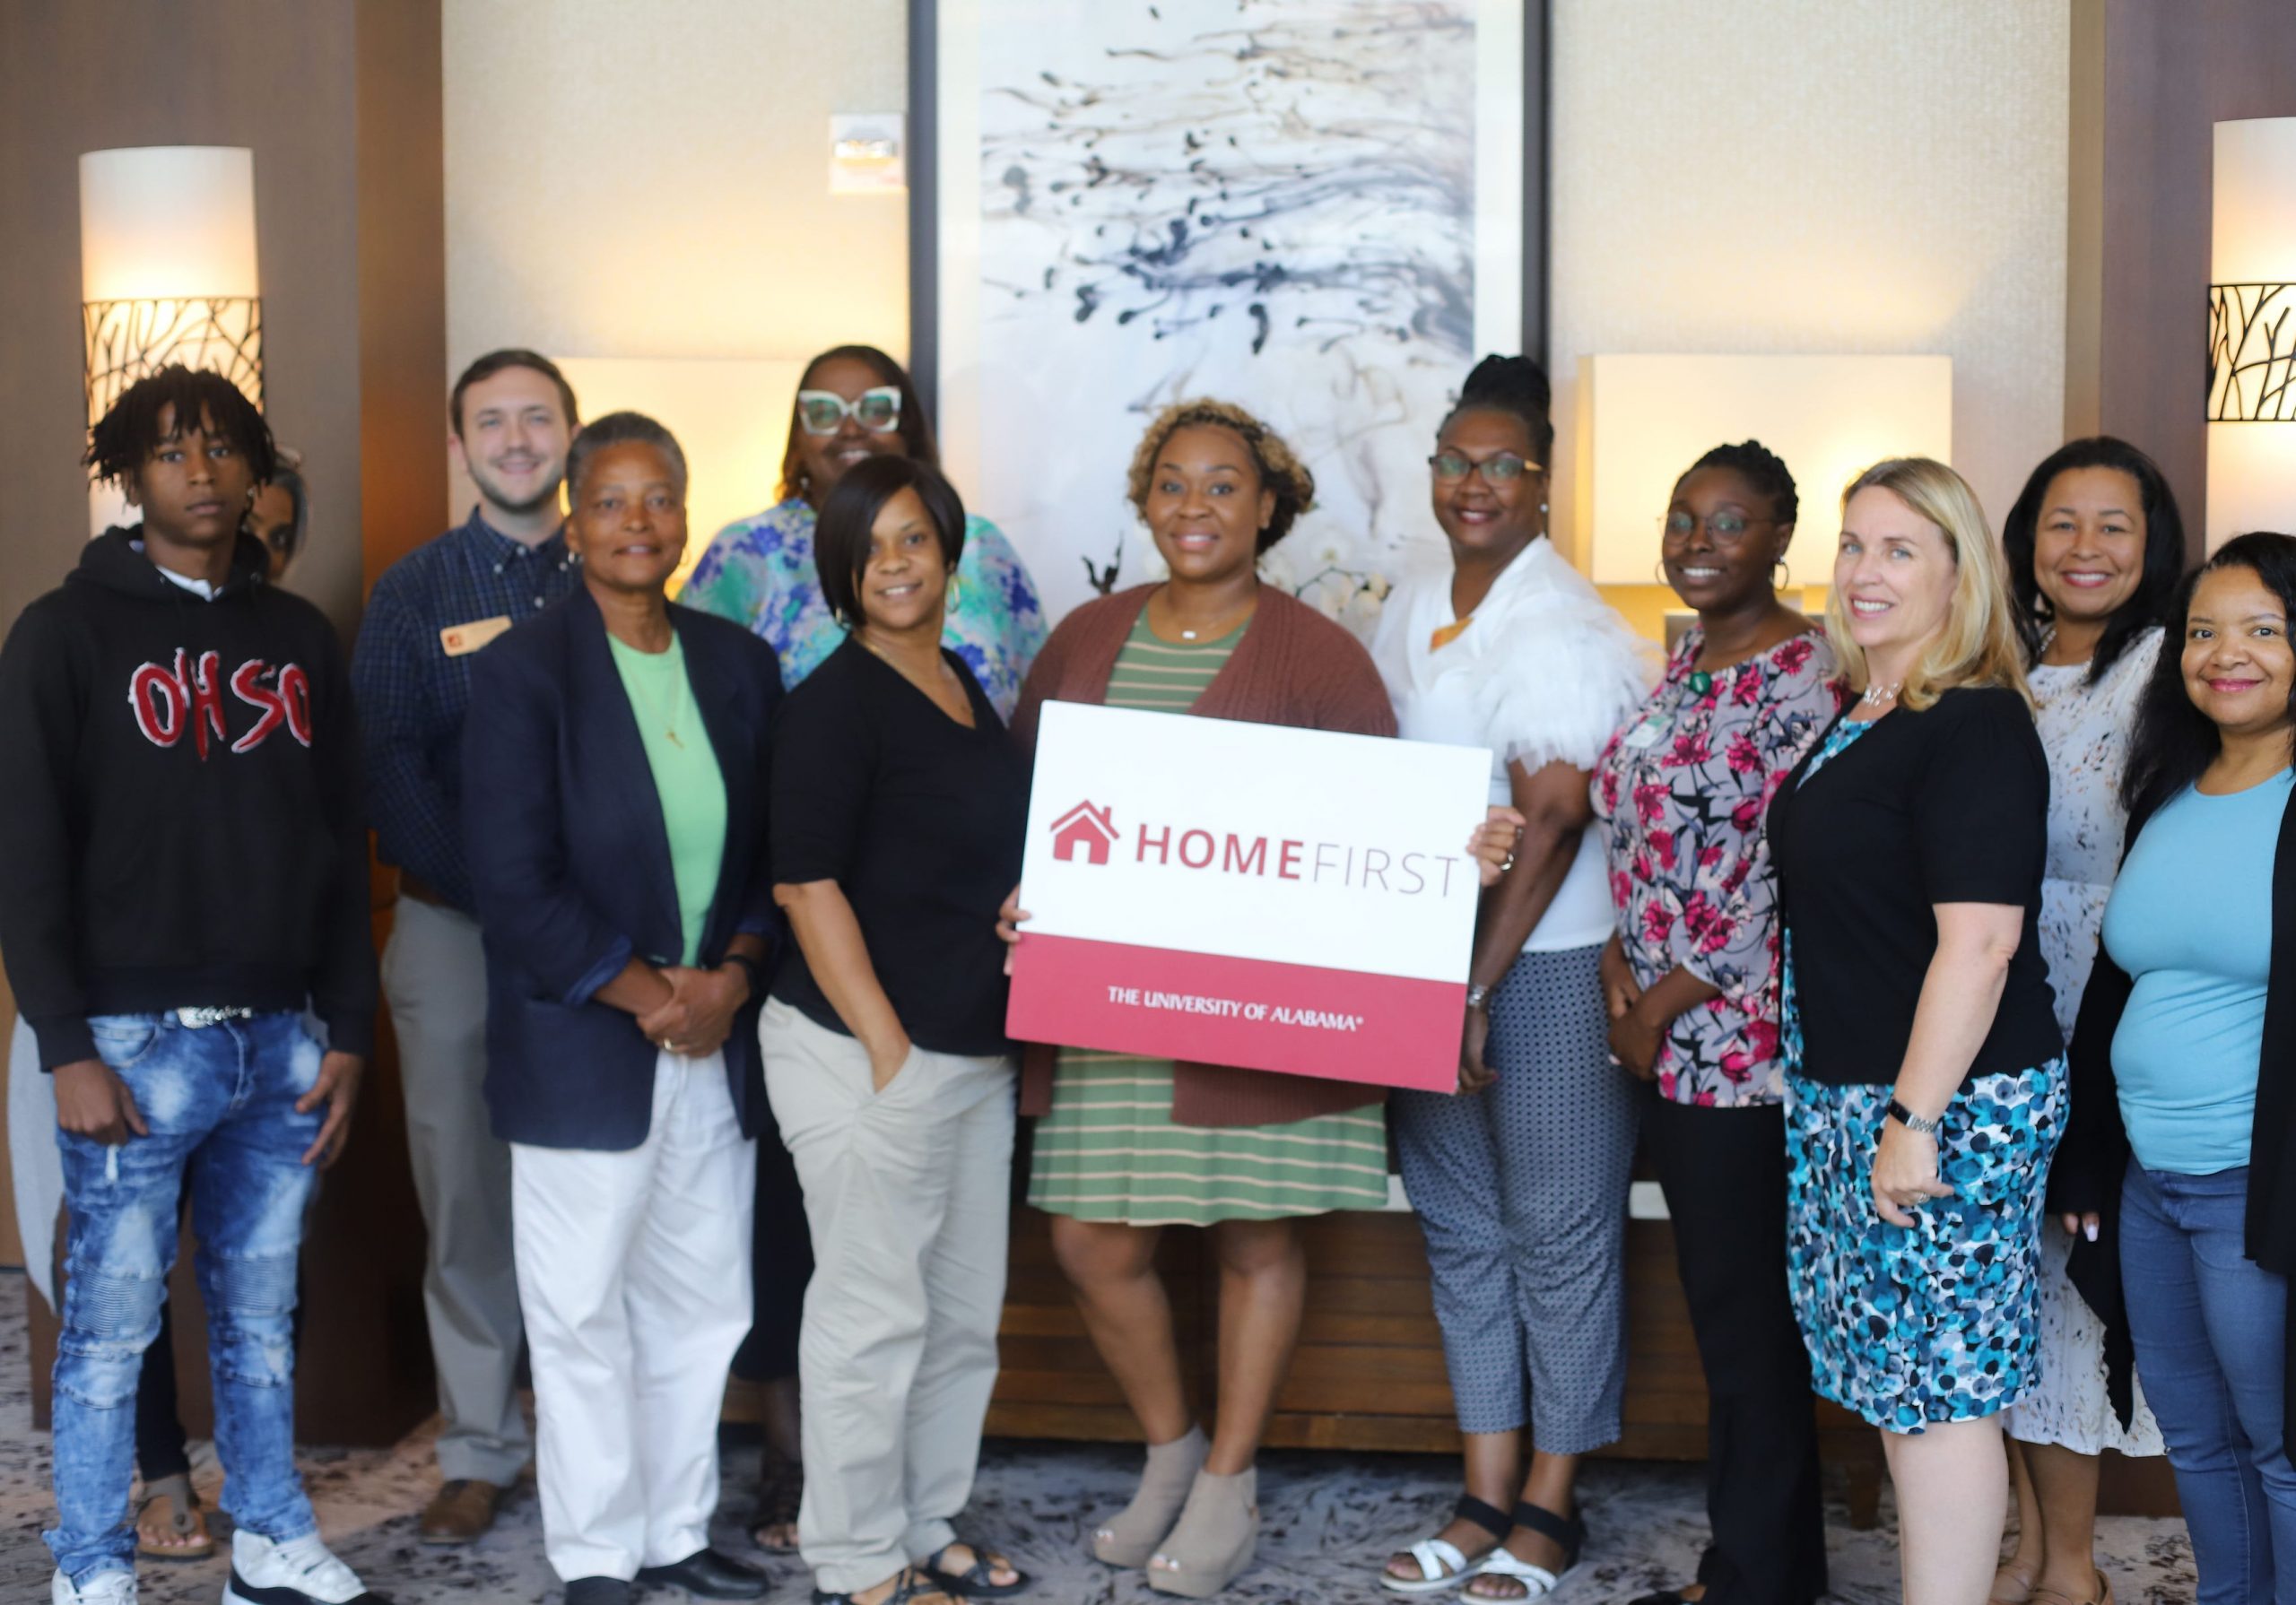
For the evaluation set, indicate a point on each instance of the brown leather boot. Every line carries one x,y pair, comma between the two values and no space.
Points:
460,1511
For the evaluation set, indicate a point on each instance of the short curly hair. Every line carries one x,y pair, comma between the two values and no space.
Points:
1279,467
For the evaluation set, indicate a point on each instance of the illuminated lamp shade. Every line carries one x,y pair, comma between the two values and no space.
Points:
731,418
167,273
2252,331
1643,420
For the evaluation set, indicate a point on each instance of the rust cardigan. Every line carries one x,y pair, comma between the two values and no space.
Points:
1294,667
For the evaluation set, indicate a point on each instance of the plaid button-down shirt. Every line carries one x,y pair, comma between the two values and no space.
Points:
413,692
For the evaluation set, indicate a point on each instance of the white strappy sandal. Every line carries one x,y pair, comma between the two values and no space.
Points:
1442,1564
1538,1581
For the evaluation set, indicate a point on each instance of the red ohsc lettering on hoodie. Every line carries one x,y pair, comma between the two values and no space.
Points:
169,701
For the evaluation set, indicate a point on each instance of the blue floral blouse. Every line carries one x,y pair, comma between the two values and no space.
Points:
759,573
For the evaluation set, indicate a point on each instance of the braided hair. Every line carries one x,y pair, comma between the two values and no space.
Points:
1516,385
119,441
1761,468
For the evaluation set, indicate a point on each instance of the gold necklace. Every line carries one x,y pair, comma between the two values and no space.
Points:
668,722
1218,629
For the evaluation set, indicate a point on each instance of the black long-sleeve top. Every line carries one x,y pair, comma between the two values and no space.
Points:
180,825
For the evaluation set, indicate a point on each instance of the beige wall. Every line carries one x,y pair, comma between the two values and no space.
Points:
629,180
1819,176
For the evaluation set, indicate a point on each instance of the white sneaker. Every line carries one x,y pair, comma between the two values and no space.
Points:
302,1571
105,1588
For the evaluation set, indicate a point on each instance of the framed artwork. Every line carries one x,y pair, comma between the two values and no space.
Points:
1324,210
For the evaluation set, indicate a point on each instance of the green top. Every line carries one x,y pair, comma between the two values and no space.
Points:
686,777
1166,676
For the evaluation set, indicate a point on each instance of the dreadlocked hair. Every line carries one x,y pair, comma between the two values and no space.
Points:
1279,468
119,441
1516,385
1761,468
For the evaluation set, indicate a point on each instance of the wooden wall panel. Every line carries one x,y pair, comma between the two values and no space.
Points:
2150,82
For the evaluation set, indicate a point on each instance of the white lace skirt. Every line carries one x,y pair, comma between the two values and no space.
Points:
2067,1405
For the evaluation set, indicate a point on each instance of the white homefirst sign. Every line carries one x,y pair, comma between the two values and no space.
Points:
1248,895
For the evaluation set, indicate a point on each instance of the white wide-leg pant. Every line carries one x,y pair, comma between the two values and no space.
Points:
908,1192
634,1272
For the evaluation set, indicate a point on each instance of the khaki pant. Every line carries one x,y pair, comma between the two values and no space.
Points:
908,1192
434,972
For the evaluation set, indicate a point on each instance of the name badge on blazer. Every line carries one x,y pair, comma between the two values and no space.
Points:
456,639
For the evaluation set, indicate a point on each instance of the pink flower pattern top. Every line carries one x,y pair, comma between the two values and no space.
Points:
1682,790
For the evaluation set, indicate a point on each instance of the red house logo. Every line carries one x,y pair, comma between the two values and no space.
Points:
1083,829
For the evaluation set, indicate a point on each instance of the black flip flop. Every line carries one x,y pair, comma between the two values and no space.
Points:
973,1582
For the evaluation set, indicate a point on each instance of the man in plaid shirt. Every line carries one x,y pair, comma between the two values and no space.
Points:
511,417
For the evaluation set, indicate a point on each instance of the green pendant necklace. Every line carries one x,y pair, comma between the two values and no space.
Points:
1701,682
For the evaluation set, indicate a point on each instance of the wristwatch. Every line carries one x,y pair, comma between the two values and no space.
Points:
1478,995
1912,1122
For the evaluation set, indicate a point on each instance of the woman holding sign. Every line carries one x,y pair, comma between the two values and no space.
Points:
1691,979
1127,1146
1520,1179
897,809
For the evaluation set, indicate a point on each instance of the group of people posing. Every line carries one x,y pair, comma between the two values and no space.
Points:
698,977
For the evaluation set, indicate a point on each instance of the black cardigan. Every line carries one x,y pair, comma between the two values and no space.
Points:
2093,1156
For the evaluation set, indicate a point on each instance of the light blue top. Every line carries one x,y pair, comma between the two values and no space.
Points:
2190,920
759,573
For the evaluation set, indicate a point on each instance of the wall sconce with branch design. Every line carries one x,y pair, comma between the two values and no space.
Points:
2252,330
167,273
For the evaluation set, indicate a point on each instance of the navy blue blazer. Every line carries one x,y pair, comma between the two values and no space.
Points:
571,863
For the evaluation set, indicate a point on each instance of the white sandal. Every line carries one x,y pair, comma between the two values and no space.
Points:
1442,1564
1538,1581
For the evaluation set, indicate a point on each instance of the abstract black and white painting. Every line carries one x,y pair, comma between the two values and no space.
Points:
1312,208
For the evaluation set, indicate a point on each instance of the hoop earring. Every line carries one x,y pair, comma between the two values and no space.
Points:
1658,571
1786,584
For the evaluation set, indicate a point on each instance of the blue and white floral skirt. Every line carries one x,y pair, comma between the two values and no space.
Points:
1937,1322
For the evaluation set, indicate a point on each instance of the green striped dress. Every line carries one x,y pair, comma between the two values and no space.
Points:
1110,1150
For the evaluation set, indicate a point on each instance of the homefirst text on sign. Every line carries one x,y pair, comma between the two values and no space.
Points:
1249,895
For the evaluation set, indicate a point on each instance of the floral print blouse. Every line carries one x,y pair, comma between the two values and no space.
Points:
1682,790
759,573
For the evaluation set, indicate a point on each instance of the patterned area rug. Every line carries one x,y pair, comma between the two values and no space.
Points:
1328,1522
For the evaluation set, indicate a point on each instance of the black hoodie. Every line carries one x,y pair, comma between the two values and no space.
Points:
179,825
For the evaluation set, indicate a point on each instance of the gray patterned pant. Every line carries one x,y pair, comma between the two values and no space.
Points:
1521,1190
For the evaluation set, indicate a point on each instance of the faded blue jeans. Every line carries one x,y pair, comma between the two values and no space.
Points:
219,1103
2210,1325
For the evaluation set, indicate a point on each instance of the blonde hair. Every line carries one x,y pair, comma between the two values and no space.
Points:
1279,467
1980,645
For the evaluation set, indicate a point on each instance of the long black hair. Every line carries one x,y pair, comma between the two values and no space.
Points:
2164,548
2174,742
